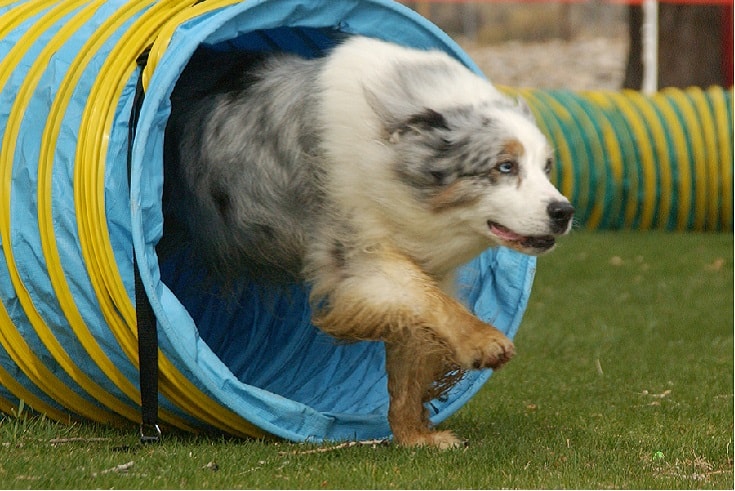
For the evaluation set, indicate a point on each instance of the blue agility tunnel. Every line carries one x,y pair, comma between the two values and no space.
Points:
81,199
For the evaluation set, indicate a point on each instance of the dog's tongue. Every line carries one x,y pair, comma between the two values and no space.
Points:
504,233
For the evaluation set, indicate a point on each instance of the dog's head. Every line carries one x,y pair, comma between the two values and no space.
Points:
483,166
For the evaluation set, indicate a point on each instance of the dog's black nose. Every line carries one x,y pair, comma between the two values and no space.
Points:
560,212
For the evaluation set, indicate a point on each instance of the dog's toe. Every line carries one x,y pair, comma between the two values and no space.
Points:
443,440
487,349
499,354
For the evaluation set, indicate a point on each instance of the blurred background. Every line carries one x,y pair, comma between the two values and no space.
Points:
589,44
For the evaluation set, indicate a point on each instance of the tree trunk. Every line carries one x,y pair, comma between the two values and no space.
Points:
689,46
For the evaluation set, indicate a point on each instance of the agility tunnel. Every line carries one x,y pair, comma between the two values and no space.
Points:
81,198
629,161
79,202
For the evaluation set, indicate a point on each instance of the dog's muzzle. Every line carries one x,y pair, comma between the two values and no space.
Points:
560,219
560,216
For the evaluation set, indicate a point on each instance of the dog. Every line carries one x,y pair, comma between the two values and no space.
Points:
370,173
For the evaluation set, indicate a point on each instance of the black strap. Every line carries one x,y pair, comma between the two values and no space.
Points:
144,315
148,361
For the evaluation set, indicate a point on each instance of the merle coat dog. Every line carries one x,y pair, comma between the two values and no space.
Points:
370,173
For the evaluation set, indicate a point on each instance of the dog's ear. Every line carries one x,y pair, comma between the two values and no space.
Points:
525,108
403,117
389,119
427,119
420,123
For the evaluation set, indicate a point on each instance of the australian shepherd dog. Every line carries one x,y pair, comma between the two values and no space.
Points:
370,173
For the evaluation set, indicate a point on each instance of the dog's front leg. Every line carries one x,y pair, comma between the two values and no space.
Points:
411,372
382,295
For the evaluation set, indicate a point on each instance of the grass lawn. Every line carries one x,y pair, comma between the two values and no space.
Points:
623,379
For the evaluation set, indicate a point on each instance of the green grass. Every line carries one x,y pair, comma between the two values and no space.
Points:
623,379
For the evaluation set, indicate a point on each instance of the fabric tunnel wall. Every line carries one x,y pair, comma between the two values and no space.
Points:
247,363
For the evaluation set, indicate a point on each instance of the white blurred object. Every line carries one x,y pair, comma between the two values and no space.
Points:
650,46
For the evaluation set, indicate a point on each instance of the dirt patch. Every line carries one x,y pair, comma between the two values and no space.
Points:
587,63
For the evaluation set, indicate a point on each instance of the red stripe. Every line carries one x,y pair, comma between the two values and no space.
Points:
632,2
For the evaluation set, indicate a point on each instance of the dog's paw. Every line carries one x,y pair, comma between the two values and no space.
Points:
443,440
485,348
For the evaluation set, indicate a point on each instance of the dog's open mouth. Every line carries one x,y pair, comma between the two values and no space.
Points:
538,242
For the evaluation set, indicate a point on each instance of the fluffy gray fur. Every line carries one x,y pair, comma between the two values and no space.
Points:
241,162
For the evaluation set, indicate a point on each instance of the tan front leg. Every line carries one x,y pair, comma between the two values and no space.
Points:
411,372
387,297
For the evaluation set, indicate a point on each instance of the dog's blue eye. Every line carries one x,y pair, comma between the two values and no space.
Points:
507,167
